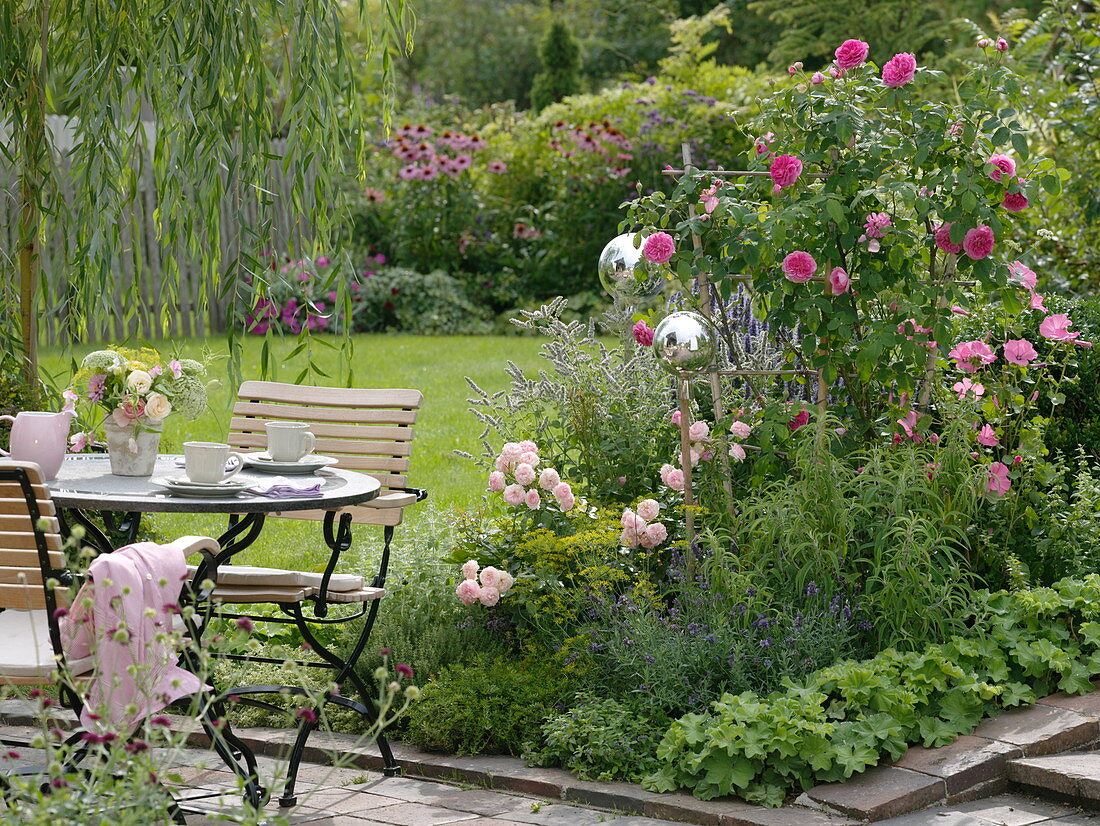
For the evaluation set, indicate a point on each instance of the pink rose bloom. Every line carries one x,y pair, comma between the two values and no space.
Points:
850,53
998,481
525,474
562,490
529,457
799,267
675,479
549,479
943,239
798,421
504,581
1019,351
899,70
1056,328
1002,165
490,577
698,431
654,535
737,452
784,171
648,509
566,503
794,68
978,242
533,499
1015,202
876,223
675,418
817,79
659,248
666,469
513,494
643,334
988,436
502,464
496,481
836,73
628,539
632,522
1002,44
527,446
468,591
511,451
984,43
839,282
1023,276
469,569
489,596
740,430
971,355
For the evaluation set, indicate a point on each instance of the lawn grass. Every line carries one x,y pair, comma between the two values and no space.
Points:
437,366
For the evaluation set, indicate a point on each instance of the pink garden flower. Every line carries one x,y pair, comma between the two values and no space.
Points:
469,569
653,535
794,68
648,509
490,577
850,53
1002,44
489,596
969,356
1020,351
1015,202
740,430
784,171
978,242
899,70
1002,165
549,479
468,591
998,481
566,503
988,436
675,479
504,581
513,494
529,457
943,239
533,499
1036,303
966,386
817,79
1056,328
799,267
525,474
798,421
839,282
876,224
659,248
496,481
761,144
698,431
1022,275
498,167
908,422
737,452
643,334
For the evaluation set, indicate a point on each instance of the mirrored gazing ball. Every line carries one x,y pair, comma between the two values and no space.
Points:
624,271
685,342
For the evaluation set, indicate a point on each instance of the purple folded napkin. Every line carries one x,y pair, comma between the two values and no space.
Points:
279,487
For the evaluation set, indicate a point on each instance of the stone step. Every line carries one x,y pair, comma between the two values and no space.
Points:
1074,776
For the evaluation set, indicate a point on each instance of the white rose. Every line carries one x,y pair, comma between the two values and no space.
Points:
139,381
157,406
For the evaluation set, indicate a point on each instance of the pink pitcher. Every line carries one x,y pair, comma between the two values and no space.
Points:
39,437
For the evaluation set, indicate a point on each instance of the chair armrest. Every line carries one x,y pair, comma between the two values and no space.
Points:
399,498
209,549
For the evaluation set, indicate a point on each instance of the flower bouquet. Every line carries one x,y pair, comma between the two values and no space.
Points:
138,389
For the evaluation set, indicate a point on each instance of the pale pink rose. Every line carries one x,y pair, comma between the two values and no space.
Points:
643,334
698,431
737,452
525,474
511,451
1002,165
799,267
502,464
504,581
549,479
675,418
527,446
1020,351
513,494
496,481
562,490
490,577
1022,275
969,356
899,70
659,248
468,591
1015,202
1002,44
850,53
817,79
740,430
530,457
628,539
632,522
998,481
988,436
469,569
489,597
694,456
839,282
1056,328
675,479
943,239
566,503
533,499
654,535
784,171
978,242
666,469
648,509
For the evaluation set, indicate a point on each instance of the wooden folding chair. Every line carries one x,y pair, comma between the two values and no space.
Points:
36,581
367,430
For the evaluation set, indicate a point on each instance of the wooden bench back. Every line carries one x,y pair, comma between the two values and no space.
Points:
21,576
368,430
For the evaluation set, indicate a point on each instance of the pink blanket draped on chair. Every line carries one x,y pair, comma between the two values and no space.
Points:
137,588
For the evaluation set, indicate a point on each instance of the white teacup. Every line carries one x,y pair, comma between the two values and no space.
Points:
205,462
289,441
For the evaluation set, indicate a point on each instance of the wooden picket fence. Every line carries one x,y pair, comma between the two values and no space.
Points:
152,306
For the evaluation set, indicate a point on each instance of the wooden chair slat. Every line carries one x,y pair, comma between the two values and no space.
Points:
269,391
24,540
12,502
17,576
22,597
22,522
366,433
22,558
297,413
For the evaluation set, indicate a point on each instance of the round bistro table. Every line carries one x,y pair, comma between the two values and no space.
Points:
85,484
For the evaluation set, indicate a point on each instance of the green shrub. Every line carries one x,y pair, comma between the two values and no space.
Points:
490,706
602,740
560,58
402,300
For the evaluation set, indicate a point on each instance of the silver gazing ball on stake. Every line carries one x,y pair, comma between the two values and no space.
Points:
685,343
626,274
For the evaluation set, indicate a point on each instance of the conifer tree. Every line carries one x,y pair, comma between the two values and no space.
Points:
560,55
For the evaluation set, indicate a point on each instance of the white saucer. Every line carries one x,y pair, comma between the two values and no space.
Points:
183,486
307,464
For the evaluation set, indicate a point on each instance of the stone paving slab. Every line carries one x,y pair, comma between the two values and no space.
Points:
962,764
1040,729
880,792
558,814
1070,775
415,814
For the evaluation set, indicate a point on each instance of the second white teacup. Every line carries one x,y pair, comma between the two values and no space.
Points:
289,441
205,462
